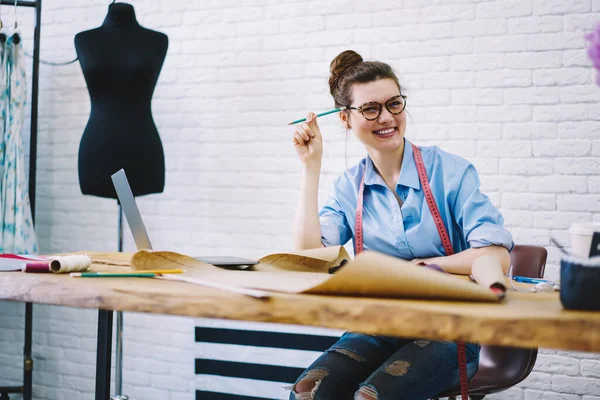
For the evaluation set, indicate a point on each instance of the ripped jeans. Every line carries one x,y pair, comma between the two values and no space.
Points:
385,368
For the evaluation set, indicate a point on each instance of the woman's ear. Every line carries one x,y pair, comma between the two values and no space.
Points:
344,117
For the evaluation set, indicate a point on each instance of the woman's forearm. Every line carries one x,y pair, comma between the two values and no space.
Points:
307,229
460,263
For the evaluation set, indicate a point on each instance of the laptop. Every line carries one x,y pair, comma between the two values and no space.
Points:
140,234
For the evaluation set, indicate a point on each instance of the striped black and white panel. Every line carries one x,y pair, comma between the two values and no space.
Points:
254,361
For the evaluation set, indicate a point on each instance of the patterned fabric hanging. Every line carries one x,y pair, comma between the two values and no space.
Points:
17,235
4,96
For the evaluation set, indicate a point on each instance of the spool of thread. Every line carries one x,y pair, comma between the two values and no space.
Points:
37,267
72,263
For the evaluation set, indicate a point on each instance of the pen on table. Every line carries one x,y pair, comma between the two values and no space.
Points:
319,115
525,279
140,273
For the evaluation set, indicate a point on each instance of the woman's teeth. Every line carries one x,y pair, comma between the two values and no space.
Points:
384,131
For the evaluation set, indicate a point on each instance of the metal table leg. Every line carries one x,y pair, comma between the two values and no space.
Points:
104,348
27,360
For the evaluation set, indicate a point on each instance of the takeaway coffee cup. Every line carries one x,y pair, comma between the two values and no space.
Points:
581,238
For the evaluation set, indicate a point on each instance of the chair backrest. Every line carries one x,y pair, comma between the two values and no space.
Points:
529,261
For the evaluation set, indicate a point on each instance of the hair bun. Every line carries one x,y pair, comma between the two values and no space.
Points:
340,64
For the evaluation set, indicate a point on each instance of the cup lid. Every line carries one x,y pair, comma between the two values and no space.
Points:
584,228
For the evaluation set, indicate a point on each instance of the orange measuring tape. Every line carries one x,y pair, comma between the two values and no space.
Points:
441,228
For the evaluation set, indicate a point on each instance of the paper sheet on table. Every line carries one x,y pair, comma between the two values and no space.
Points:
112,259
370,274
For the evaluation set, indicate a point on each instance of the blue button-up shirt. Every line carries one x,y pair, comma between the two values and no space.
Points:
409,231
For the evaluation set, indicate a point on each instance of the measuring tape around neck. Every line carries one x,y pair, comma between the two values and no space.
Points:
441,228
358,237
435,212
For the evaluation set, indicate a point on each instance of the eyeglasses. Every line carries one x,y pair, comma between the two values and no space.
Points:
371,111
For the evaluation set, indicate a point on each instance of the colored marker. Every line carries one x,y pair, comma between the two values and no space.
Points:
524,279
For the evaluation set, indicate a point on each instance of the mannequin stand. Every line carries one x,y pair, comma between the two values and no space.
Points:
119,331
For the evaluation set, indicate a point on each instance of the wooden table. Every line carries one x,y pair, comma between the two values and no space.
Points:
526,320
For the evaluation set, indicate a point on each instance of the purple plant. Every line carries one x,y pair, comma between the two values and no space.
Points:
594,49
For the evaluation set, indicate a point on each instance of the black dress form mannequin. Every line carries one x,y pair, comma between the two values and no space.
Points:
121,62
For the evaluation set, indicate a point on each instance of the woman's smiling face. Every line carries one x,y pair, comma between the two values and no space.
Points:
384,134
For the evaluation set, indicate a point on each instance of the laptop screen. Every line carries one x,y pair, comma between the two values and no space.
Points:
131,210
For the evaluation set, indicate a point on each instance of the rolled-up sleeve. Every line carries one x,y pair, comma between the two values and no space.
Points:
335,229
481,222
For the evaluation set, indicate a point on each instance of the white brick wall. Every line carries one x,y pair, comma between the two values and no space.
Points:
506,84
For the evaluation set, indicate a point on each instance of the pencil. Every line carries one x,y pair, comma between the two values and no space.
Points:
319,115
150,271
112,275
145,271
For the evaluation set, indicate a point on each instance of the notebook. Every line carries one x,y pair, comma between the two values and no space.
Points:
140,234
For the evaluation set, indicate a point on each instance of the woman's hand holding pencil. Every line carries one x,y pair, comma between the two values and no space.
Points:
308,141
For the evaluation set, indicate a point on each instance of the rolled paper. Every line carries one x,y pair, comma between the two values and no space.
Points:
71,263
487,271
37,267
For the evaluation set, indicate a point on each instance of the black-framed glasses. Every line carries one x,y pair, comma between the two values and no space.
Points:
371,111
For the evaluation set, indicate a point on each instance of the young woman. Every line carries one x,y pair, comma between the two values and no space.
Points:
387,190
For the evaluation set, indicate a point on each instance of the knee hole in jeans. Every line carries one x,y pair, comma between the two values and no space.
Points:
366,393
397,368
349,354
306,388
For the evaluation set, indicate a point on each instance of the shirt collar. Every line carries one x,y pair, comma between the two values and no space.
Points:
408,175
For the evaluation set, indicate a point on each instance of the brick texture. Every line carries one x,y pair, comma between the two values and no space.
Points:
505,83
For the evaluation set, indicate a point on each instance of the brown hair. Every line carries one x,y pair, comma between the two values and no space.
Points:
349,68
